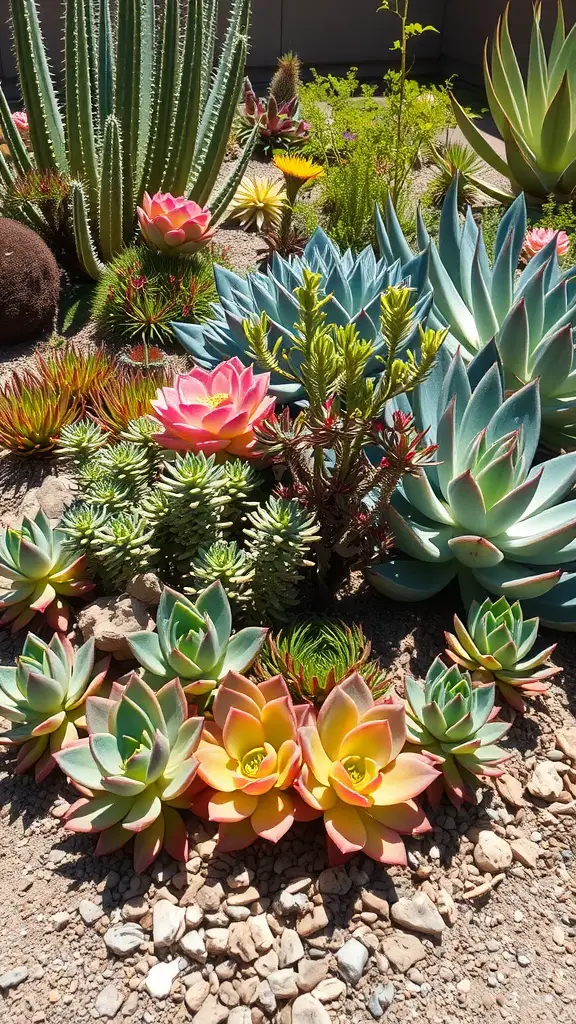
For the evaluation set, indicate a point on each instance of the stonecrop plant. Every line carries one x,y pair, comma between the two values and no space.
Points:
135,770
455,721
44,698
148,105
483,514
495,646
42,571
356,775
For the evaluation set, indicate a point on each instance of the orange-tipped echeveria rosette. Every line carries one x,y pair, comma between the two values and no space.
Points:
135,771
355,773
214,410
249,758
173,224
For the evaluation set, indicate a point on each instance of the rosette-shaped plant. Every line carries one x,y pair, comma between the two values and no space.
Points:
214,411
352,286
173,224
314,657
530,314
495,646
45,699
193,642
538,238
279,125
42,571
355,774
250,757
482,514
135,770
449,717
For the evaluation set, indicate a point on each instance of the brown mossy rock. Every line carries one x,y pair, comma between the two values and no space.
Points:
29,282
110,620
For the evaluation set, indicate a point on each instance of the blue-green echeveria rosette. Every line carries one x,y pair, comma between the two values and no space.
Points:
135,771
44,697
483,513
194,642
450,718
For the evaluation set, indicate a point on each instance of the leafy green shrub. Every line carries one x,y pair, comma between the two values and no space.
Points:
142,291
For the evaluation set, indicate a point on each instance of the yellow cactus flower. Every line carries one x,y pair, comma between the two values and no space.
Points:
297,168
258,203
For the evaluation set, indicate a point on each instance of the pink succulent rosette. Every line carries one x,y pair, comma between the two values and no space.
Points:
538,238
173,224
20,119
249,757
214,410
355,773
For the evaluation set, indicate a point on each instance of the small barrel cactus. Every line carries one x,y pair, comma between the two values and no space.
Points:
29,282
455,721
45,699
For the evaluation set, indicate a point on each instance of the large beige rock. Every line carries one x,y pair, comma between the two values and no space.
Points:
492,853
111,619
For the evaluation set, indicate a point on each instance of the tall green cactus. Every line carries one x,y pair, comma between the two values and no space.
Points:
147,104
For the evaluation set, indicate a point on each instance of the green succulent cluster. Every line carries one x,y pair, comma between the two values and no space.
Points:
194,642
44,698
450,718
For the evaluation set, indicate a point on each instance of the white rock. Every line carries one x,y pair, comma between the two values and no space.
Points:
283,983
162,976
108,1002
240,1015
417,914
290,950
194,916
329,989
216,940
352,958
90,912
192,943
261,934
492,853
60,920
12,978
307,1010
167,924
124,939
525,851
546,782
266,998
135,908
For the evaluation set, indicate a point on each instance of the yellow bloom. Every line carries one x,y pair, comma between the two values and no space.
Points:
297,168
258,203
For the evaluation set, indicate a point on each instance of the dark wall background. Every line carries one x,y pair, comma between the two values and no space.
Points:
337,33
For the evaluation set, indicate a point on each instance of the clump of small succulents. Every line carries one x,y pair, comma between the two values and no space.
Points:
44,698
495,645
450,718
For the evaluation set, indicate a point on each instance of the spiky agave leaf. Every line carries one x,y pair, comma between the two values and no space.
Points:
44,698
315,656
495,646
449,717
80,371
136,770
42,570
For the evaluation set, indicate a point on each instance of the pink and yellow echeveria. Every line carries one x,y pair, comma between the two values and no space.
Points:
174,224
214,410
355,774
249,757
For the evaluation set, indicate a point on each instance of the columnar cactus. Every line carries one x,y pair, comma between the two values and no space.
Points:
116,85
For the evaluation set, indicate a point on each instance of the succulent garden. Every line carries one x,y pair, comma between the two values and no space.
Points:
288,526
